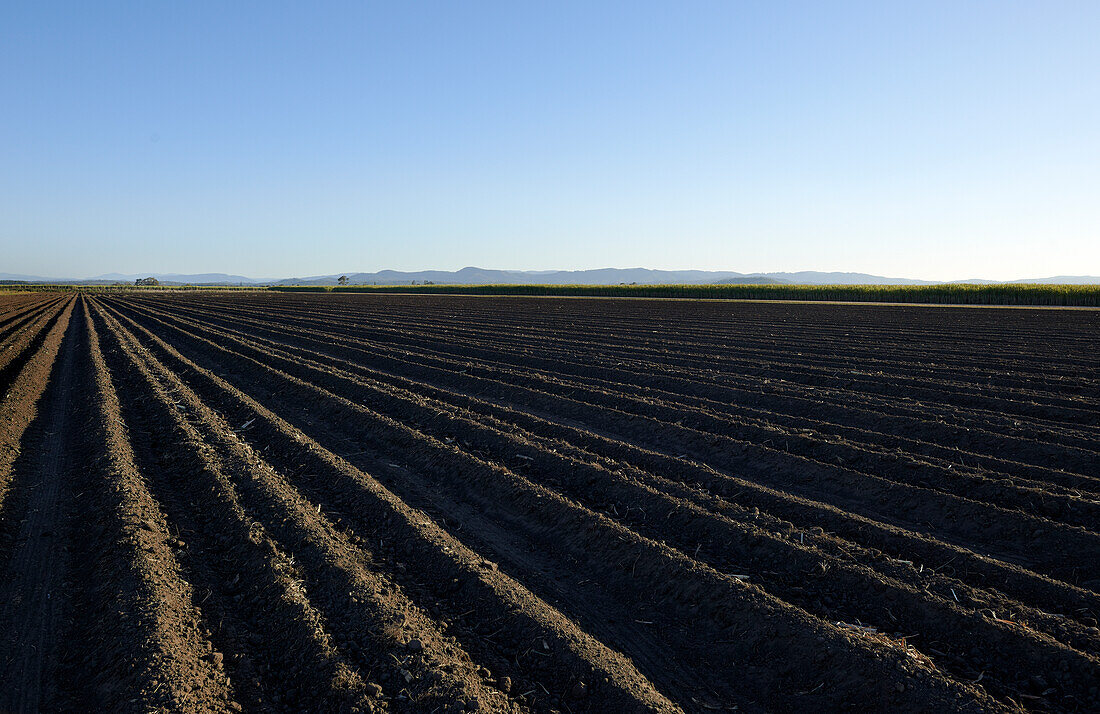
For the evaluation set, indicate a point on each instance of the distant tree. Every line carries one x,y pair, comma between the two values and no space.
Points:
343,280
147,281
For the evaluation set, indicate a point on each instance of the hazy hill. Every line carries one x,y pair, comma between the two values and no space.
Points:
182,279
25,278
603,276
749,280
483,276
811,277
1064,279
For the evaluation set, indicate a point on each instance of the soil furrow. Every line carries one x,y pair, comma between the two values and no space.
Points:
1032,497
261,619
956,518
18,407
735,400
606,545
373,621
437,564
806,372
140,645
266,501
941,623
31,593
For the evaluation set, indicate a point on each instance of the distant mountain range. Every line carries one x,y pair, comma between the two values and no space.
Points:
165,278
483,276
198,278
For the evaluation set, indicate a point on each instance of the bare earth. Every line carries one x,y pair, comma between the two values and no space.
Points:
312,502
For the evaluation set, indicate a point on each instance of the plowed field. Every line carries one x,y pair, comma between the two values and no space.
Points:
300,502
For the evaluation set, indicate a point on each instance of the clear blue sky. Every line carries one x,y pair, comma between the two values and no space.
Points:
921,139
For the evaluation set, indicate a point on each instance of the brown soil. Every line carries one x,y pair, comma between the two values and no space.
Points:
280,502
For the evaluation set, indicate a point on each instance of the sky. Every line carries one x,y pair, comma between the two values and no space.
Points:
937,140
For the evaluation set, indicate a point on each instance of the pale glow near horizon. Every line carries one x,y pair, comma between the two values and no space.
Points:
938,141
